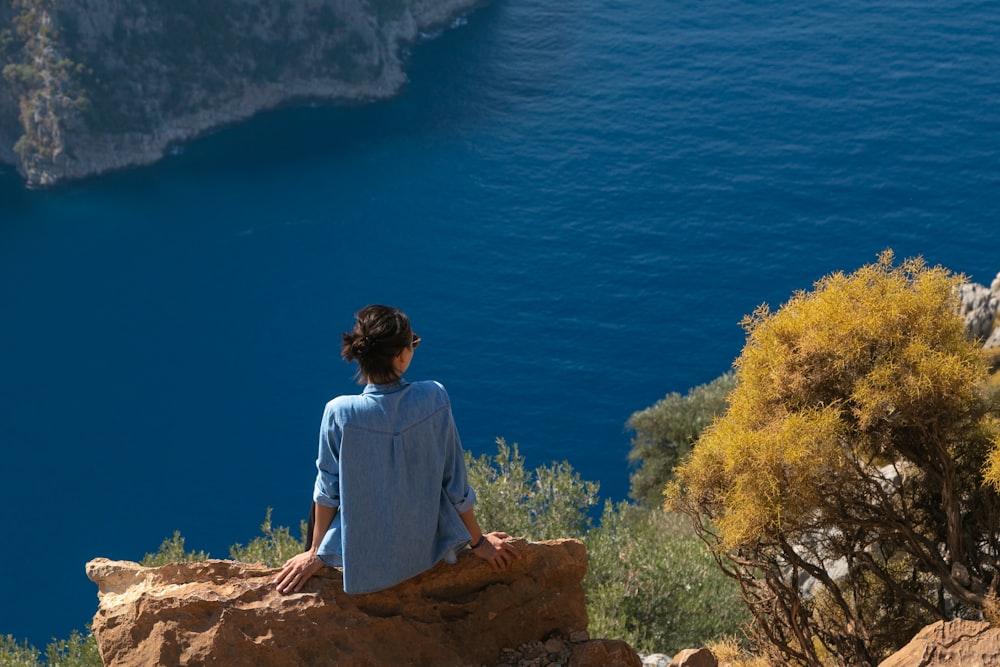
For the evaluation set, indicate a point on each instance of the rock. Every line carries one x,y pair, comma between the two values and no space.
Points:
951,643
555,645
655,660
979,305
226,613
604,653
695,657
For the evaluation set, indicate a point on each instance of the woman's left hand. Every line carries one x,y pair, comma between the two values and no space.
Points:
497,551
296,571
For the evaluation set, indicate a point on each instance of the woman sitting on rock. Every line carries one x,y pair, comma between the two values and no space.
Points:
391,498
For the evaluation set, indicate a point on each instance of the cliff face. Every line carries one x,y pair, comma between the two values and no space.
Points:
10,128
94,85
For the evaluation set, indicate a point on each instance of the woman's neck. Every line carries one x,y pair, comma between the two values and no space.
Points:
392,379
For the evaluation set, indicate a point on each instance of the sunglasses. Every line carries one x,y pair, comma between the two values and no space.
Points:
415,342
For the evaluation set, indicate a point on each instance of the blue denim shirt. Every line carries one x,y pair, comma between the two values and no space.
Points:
390,459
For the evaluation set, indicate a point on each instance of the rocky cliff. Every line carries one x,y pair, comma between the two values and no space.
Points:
229,613
94,85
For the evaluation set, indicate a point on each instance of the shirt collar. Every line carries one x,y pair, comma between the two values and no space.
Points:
387,388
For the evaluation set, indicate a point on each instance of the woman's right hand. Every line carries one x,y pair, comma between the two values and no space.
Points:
497,551
297,571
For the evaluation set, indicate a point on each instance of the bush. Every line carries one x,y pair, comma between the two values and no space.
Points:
20,74
652,583
550,502
273,548
14,654
172,551
858,435
665,432
78,651
650,580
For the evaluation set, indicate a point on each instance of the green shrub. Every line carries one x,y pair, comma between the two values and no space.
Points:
550,502
273,547
172,551
650,580
653,583
21,74
80,650
14,654
664,434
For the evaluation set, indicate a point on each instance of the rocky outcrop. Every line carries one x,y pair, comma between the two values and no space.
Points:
978,304
951,643
695,657
96,85
228,613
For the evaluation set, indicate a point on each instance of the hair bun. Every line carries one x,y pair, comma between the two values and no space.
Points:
362,346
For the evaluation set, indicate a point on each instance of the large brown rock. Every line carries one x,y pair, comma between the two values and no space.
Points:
952,643
227,613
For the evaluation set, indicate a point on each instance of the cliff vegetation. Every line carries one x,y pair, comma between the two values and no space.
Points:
851,485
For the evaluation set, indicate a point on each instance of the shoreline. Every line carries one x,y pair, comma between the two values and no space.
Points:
85,154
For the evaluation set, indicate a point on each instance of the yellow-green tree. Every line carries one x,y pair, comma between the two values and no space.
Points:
858,453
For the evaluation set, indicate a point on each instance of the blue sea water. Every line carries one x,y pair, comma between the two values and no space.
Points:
576,202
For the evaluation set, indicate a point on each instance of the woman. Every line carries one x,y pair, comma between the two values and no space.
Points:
391,497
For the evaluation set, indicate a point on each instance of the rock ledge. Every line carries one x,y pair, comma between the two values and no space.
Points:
224,613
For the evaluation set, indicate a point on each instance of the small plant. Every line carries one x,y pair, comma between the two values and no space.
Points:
550,502
172,551
15,654
729,651
273,548
652,582
80,650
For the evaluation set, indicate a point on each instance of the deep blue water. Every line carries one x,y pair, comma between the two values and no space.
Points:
576,202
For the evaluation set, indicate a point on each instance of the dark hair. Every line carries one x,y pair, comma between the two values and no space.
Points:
380,333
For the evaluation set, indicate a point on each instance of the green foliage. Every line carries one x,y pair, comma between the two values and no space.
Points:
80,650
273,547
550,502
652,583
650,580
14,654
858,431
665,432
21,74
172,551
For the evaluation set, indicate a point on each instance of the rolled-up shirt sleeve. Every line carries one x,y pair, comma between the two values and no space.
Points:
456,479
326,491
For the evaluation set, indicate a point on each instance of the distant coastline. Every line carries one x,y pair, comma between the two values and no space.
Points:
89,94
